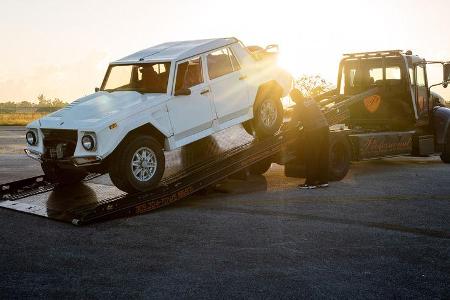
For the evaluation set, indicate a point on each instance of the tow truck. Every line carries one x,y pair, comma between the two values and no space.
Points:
382,107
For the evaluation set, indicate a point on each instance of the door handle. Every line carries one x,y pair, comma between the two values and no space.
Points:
243,77
204,92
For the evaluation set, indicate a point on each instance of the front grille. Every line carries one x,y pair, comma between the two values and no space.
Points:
59,143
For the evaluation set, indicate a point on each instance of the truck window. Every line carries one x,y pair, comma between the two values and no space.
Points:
375,75
143,78
393,73
219,63
119,76
411,74
189,74
420,73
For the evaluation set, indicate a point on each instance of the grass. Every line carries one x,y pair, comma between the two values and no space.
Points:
19,119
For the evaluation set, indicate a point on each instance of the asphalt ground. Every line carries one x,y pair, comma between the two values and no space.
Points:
382,232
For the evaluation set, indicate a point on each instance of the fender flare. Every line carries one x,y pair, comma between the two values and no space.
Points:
144,128
265,89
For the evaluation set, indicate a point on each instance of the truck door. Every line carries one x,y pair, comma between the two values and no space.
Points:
190,113
228,85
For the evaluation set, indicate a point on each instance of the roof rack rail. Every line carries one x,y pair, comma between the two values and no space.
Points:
374,53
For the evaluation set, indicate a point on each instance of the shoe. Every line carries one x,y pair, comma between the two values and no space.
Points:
306,186
323,185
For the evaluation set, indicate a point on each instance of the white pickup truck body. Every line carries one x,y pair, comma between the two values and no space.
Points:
222,96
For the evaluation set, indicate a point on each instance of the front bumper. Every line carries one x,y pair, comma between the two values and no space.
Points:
75,161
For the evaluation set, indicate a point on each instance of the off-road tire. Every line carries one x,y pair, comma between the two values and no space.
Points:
55,174
260,124
121,172
261,167
340,157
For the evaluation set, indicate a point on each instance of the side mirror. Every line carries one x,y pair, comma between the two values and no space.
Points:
183,92
97,89
446,78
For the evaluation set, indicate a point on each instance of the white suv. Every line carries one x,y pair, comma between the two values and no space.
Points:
156,100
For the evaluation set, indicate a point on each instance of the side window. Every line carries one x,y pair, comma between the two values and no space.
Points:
220,63
420,73
189,74
411,74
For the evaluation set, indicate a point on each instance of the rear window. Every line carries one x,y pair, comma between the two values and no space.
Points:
375,75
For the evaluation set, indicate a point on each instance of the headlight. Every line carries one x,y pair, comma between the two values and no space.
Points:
31,138
88,142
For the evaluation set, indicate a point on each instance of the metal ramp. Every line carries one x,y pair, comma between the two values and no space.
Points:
191,169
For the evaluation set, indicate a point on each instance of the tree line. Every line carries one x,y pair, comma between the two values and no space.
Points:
43,104
309,85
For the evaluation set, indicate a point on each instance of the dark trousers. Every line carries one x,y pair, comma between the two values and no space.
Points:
317,144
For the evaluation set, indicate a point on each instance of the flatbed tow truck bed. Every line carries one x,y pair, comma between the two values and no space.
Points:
90,202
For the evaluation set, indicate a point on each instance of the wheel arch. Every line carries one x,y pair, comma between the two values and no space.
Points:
268,88
145,129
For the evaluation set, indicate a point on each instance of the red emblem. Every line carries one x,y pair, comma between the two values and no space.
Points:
372,103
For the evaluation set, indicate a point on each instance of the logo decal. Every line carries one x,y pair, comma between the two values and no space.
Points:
372,103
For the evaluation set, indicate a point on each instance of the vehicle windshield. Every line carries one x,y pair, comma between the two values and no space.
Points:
142,78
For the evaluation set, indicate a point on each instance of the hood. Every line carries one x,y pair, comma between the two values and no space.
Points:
99,108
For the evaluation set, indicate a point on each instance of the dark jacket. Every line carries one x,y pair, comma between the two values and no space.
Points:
309,115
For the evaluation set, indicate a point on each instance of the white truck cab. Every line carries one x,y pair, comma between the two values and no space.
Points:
157,100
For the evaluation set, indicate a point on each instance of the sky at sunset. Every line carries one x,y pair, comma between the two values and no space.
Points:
61,48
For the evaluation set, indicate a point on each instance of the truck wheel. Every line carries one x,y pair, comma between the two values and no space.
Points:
340,156
445,155
268,117
55,174
138,165
261,167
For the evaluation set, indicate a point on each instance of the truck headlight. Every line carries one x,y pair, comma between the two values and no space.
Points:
88,142
31,137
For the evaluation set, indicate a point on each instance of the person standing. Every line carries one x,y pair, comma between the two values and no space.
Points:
317,139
